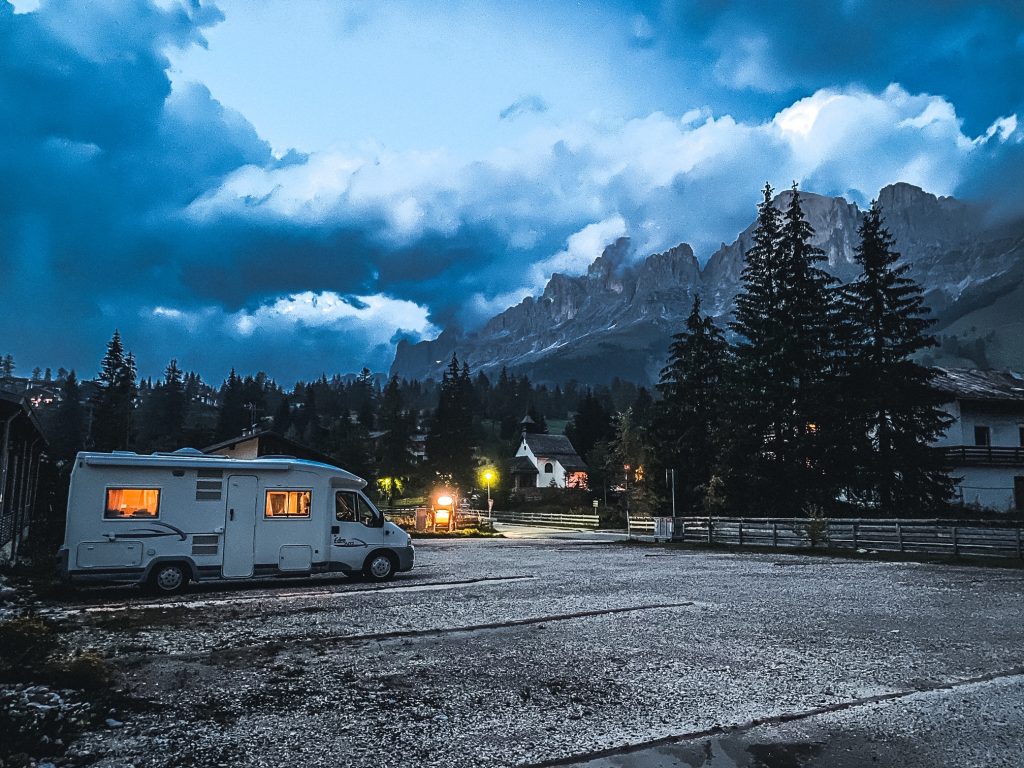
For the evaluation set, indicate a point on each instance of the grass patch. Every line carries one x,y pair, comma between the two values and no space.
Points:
466,533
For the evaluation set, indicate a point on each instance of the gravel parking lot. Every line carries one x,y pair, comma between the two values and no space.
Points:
571,650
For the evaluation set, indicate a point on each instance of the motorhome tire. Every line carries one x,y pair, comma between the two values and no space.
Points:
168,578
380,566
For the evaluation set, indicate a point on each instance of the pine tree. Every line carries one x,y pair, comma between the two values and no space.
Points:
687,419
895,412
395,460
778,434
115,399
450,439
233,418
67,439
590,425
808,303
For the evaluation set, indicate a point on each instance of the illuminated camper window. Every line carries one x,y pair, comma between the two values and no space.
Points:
288,503
132,503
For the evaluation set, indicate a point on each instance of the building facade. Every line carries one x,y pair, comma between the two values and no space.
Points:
984,446
547,461
21,454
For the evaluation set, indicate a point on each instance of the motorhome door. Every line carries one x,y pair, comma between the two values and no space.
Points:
240,527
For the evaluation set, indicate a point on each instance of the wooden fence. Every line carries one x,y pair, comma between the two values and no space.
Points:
574,520
948,537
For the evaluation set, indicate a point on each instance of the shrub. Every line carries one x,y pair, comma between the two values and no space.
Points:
85,671
25,645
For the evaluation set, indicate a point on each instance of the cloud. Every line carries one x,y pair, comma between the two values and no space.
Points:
524,105
160,210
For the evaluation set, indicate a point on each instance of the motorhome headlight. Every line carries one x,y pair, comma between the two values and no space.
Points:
444,501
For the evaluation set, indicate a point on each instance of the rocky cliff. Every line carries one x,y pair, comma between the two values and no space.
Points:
616,320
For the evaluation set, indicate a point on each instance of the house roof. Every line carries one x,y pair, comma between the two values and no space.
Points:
556,447
973,384
298,449
522,465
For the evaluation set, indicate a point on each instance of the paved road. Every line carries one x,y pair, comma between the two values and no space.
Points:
566,650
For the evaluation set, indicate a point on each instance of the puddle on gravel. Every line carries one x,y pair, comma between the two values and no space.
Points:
721,752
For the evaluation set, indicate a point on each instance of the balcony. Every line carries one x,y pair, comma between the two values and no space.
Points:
984,456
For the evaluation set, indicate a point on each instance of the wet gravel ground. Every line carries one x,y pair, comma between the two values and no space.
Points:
527,651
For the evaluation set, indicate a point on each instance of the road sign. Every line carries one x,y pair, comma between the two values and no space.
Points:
595,503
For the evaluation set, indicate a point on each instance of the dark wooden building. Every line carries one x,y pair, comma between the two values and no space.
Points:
252,444
21,454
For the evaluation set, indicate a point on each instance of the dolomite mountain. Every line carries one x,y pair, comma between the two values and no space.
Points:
617,319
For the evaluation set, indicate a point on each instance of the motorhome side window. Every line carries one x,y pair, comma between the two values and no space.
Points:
129,503
282,503
351,507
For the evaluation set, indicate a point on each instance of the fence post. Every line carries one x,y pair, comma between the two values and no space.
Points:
1019,553
775,535
956,549
739,528
709,531
899,535
855,535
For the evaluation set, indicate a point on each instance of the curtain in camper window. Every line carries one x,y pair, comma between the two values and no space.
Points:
132,503
288,503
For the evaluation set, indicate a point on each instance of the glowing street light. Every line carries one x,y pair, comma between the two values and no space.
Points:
488,479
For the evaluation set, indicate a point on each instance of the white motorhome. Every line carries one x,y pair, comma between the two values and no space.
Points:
166,519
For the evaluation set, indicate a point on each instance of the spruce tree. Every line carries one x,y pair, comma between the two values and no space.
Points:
67,436
686,421
895,413
755,392
395,459
232,419
450,439
808,304
115,398
778,433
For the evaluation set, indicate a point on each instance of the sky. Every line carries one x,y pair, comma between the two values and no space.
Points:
295,185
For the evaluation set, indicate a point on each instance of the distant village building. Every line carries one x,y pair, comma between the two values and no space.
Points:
253,443
544,461
984,447
20,456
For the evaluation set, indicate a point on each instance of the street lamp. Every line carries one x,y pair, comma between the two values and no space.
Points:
625,468
488,478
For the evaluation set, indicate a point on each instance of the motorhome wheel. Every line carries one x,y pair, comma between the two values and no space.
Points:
168,578
380,566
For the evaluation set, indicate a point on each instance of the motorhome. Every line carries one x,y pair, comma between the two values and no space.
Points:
170,518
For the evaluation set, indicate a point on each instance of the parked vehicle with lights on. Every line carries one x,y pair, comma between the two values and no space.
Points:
170,518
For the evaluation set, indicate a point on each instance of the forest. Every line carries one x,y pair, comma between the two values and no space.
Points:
811,401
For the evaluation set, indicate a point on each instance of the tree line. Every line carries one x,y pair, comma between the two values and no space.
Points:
817,404
809,401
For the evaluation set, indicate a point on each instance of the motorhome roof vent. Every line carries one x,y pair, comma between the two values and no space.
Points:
277,456
188,452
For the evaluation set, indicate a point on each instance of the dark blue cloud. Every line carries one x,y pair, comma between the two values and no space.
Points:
105,167
762,55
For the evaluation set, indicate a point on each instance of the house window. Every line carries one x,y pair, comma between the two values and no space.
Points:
982,436
549,468
288,503
126,503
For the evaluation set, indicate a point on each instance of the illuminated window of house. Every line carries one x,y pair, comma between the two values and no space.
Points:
127,503
288,503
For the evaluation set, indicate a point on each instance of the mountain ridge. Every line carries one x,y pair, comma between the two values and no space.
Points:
618,317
